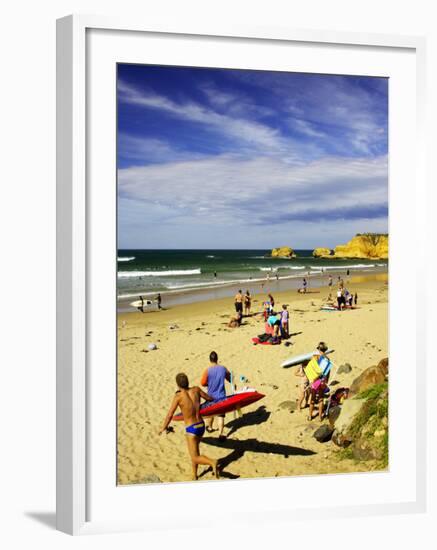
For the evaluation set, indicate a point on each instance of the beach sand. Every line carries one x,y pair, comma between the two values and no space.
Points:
268,441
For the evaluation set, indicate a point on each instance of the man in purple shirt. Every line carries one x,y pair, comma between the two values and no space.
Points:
214,379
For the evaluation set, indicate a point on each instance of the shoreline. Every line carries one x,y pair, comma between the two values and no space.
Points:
223,290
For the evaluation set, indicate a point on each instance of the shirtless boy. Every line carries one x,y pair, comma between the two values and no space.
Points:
188,400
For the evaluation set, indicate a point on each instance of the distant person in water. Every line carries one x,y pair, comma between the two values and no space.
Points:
238,302
158,300
247,303
188,400
347,273
215,274
214,378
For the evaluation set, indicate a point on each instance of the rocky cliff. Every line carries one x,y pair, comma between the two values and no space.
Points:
372,246
322,252
283,252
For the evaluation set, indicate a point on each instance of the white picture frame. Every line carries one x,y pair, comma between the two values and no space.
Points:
74,346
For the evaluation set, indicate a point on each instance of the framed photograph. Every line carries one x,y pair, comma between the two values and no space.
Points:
237,322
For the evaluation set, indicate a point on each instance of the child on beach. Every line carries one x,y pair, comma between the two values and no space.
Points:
188,400
284,322
304,387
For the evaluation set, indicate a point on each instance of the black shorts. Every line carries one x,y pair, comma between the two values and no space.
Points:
239,307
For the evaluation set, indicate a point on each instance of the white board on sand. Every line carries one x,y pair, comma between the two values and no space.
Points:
299,359
144,303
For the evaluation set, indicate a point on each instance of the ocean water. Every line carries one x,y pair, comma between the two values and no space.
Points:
147,272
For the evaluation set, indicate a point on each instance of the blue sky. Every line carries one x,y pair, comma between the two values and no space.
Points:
219,158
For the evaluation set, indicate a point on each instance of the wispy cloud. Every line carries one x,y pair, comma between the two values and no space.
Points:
260,190
248,157
250,132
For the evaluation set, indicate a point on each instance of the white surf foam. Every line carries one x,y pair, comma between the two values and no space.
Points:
125,258
355,266
169,273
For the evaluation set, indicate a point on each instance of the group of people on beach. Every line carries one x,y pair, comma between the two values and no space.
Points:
313,388
241,300
188,400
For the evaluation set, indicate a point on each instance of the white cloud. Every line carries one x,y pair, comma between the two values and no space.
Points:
250,132
227,190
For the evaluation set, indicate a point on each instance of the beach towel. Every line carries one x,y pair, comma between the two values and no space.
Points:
269,342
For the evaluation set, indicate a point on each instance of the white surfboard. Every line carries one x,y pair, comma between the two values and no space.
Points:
299,359
144,303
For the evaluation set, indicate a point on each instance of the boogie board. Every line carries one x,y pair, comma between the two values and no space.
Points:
145,303
299,359
228,404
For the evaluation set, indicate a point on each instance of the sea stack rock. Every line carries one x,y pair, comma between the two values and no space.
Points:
283,252
372,246
322,252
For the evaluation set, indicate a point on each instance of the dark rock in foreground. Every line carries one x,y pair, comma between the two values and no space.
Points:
323,434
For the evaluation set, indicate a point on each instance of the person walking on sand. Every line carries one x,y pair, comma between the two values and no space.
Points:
272,301
304,285
159,300
330,281
188,400
247,303
317,371
238,302
214,378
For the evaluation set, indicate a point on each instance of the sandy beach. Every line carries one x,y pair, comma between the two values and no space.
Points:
267,441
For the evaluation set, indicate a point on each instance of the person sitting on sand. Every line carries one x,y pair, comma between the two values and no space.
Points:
188,400
284,322
247,302
214,379
348,297
304,387
238,302
235,322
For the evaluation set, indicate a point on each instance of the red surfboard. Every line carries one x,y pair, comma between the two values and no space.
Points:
229,404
